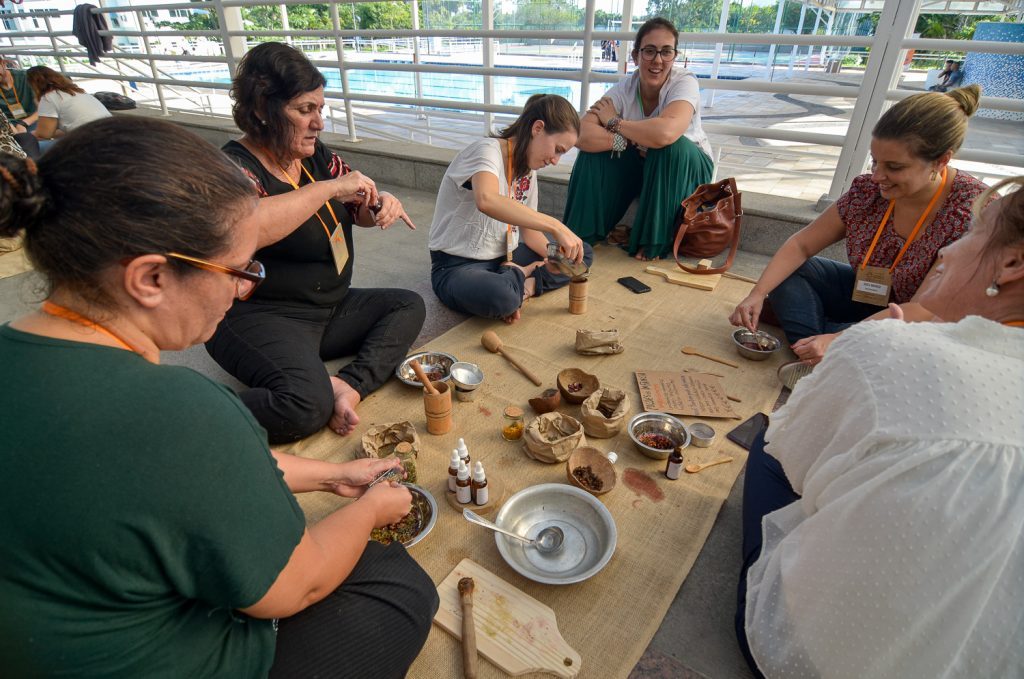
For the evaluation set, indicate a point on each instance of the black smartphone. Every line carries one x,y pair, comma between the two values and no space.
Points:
634,285
745,434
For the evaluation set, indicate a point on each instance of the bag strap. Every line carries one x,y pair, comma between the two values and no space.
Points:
733,245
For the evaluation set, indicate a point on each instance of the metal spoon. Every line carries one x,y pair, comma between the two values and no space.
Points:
694,468
548,539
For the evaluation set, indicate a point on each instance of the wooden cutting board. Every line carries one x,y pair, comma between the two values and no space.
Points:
690,280
513,630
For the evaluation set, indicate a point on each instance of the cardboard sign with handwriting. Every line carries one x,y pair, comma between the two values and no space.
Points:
695,394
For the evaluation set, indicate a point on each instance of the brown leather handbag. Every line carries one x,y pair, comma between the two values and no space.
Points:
708,223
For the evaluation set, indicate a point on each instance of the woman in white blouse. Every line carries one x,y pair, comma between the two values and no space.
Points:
63,105
884,527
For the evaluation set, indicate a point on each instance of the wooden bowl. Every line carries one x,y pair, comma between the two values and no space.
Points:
548,401
599,466
588,385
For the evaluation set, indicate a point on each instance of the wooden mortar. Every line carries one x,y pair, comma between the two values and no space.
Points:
438,408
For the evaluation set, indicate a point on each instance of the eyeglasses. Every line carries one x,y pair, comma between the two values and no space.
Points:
667,53
248,279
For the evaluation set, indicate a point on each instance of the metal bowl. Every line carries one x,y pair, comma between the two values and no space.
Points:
658,423
466,376
432,361
589,529
768,344
424,507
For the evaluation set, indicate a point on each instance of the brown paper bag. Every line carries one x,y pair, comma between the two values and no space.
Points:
552,437
604,413
598,342
381,440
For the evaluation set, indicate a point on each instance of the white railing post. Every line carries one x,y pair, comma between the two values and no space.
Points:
285,23
588,53
796,48
723,25
487,16
223,22
140,20
53,42
881,73
810,48
770,64
416,54
339,45
627,46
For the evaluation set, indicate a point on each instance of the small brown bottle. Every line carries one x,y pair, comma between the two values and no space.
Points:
453,470
674,465
480,491
463,489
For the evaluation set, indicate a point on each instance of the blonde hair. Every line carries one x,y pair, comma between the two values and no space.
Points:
932,123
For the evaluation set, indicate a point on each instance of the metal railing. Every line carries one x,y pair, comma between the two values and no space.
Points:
879,85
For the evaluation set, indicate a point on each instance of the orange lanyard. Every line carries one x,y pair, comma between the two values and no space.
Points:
327,204
508,176
1015,324
14,89
63,312
913,234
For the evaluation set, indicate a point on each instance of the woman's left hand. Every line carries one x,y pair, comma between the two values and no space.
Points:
604,109
391,211
811,350
352,477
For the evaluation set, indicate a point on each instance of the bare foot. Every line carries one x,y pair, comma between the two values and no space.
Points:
644,258
344,419
513,317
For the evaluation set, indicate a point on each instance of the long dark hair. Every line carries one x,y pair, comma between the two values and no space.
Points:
268,77
91,204
558,116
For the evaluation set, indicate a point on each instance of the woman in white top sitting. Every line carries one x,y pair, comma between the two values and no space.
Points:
883,530
63,105
488,242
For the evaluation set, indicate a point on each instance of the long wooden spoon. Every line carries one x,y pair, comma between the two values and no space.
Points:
418,369
492,343
694,351
468,628
694,468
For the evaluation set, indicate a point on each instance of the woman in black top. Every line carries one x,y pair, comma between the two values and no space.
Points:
306,313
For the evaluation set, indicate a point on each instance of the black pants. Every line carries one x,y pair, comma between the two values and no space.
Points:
373,625
278,352
765,489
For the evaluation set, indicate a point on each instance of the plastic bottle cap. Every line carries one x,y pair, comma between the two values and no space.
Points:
462,445
513,411
463,470
478,471
455,456
613,457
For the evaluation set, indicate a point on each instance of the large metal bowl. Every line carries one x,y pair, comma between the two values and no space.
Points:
424,509
658,423
766,344
432,361
588,526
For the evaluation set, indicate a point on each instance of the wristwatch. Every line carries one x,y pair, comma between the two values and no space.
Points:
613,124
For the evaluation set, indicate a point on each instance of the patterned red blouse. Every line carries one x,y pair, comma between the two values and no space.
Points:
861,209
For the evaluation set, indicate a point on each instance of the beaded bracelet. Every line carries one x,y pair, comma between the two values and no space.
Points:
613,124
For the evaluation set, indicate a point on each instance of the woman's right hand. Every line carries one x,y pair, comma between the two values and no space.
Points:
570,243
355,187
748,311
391,502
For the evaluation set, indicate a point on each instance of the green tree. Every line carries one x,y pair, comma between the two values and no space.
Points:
375,15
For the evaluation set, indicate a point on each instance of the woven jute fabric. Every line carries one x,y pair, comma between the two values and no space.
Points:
611,618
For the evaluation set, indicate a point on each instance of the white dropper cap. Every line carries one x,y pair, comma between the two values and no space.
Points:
463,450
478,471
454,464
463,471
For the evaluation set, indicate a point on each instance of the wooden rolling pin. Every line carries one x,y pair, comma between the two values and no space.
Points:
468,628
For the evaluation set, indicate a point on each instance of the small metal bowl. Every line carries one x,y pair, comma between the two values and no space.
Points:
768,344
590,533
425,509
466,376
432,362
658,423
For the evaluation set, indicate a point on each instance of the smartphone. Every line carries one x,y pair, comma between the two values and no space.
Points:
745,434
634,285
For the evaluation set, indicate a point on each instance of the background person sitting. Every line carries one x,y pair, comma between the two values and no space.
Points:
63,105
882,529
487,209
950,77
147,527
894,220
643,139
276,342
17,101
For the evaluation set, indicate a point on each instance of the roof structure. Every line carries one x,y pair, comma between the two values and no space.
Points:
982,7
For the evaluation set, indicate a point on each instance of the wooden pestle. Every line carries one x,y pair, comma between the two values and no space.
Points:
468,628
418,369
492,343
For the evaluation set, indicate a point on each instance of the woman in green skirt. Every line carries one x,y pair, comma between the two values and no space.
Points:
642,139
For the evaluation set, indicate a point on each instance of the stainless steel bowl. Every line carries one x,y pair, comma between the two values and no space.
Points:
466,376
425,509
432,361
768,344
658,423
589,529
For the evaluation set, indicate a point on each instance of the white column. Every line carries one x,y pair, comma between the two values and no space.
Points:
828,31
339,45
487,16
799,31
810,48
285,24
770,64
588,53
139,19
416,52
723,24
230,19
626,48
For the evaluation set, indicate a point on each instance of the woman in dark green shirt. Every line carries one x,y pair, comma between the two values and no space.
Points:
147,528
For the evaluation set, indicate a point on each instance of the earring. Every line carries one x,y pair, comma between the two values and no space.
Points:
992,290
934,175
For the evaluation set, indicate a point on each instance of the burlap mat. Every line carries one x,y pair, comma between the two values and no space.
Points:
611,618
12,258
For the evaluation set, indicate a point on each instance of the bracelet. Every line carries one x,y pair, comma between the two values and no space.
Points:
619,144
613,124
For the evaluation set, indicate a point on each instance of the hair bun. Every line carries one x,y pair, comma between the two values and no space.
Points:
22,197
967,98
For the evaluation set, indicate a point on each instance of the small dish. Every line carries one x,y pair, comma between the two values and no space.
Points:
596,474
755,346
437,365
577,385
416,525
548,401
650,426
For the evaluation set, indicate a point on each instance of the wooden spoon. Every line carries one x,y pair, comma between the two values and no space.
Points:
468,628
418,369
694,468
694,351
492,343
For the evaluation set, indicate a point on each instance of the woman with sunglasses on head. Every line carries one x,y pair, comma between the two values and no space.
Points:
643,139
276,343
147,527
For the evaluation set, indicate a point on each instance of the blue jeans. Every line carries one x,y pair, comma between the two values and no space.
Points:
765,489
485,288
815,300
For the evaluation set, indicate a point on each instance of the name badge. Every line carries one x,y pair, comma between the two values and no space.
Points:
17,111
872,285
339,248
